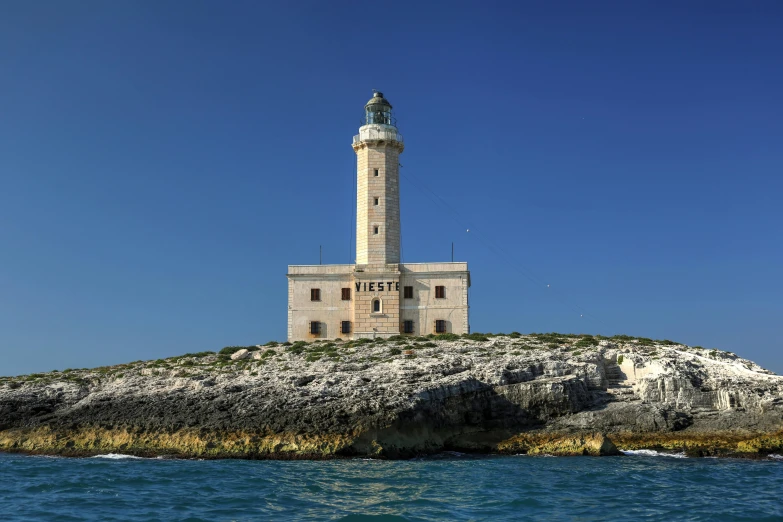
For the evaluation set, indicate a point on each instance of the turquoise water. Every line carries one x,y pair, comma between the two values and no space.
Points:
454,487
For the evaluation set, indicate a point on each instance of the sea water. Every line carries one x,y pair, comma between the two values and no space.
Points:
644,486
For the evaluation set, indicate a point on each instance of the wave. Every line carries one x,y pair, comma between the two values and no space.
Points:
652,453
775,456
118,456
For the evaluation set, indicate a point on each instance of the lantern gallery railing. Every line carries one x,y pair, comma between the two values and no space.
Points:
378,134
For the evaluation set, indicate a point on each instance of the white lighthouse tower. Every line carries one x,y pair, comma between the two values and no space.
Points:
378,296
378,147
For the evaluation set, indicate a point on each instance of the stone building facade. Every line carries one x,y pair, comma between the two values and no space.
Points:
378,296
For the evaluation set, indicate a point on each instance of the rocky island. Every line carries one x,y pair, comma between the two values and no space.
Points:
558,394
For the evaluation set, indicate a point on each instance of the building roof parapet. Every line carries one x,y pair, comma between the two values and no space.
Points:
319,269
454,266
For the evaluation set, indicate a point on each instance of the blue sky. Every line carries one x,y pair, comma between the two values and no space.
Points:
161,163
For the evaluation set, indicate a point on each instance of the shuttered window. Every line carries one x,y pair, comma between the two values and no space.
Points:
345,327
408,292
407,326
315,327
440,292
346,294
440,326
315,294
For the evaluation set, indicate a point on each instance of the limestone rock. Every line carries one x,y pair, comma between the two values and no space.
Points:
240,354
505,394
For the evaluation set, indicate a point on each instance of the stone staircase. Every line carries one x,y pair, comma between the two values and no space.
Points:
617,387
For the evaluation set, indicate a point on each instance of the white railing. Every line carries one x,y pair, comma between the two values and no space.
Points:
373,134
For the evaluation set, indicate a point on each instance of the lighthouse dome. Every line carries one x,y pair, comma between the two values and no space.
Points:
378,110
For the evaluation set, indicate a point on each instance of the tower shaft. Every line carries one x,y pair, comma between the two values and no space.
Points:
378,196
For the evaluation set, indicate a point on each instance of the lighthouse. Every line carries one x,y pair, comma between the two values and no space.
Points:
377,296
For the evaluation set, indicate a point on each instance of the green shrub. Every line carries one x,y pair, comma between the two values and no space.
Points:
394,351
620,359
622,338
577,352
428,345
550,338
230,350
476,336
379,340
268,353
272,343
199,354
586,342
447,337
312,357
515,335
645,341
553,345
397,338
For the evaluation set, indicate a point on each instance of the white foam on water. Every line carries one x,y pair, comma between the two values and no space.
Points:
653,453
536,455
775,456
116,456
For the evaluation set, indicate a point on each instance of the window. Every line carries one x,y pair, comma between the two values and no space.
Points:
376,305
440,326
374,230
376,201
375,172
408,292
407,326
315,327
315,294
440,292
346,294
345,327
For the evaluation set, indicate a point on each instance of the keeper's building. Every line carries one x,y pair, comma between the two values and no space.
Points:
378,296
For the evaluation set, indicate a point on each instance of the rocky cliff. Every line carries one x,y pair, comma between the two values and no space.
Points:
538,393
